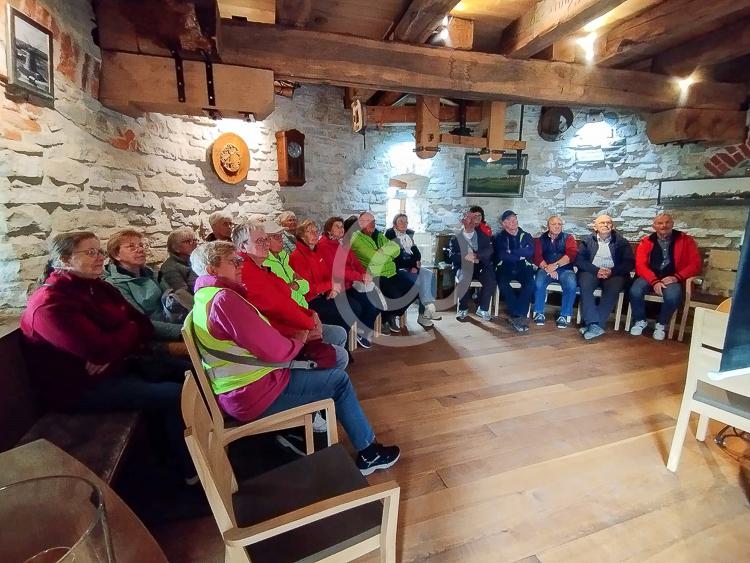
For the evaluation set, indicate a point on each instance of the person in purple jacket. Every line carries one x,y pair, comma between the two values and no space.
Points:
231,335
514,250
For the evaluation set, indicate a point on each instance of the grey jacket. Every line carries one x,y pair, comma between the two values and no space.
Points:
175,273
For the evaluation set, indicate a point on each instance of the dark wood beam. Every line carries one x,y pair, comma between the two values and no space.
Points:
361,94
548,21
388,65
407,115
714,126
388,98
421,19
724,44
663,26
294,13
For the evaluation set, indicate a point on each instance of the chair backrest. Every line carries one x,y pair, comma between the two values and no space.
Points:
720,272
208,454
202,377
706,346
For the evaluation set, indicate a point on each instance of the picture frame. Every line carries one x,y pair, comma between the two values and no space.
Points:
482,179
705,192
30,56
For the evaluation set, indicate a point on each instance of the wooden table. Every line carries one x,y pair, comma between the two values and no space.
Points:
131,540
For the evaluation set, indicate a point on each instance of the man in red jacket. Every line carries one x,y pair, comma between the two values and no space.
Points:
663,261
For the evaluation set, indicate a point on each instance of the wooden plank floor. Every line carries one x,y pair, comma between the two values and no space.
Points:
539,448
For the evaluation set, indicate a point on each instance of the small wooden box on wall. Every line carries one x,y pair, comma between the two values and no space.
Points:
290,151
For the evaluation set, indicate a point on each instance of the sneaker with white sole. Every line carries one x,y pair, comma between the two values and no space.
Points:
377,456
484,315
518,324
539,319
319,423
425,321
363,341
660,331
389,326
462,314
396,323
638,328
430,309
562,322
593,331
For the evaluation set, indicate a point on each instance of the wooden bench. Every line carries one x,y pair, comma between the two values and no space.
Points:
97,440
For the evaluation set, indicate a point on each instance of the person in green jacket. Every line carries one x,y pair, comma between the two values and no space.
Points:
127,271
377,254
278,263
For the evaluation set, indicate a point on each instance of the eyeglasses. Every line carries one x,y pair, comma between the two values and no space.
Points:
275,236
91,252
133,246
261,240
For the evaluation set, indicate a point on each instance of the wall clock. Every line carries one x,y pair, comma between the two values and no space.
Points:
290,150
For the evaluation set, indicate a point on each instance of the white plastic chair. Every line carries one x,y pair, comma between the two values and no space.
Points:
719,396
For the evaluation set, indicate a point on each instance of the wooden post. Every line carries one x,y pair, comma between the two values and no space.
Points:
428,126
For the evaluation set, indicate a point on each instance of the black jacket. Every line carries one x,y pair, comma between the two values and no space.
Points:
459,247
405,261
622,254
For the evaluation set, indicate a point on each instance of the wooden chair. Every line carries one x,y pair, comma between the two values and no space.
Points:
726,400
712,286
224,433
472,285
318,507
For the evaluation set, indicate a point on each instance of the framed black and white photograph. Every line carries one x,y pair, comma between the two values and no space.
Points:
494,179
29,55
705,192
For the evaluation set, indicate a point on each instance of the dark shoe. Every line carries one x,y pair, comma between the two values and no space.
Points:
389,326
378,457
518,324
562,322
539,319
364,342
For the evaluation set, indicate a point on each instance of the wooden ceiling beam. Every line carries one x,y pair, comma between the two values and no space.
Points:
548,21
719,46
407,115
663,26
362,94
690,125
389,98
294,13
421,18
263,11
388,65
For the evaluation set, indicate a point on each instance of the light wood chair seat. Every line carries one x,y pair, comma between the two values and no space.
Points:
314,478
653,298
722,399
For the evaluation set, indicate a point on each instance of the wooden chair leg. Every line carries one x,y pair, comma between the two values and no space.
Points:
700,433
672,323
628,318
683,320
402,320
497,301
680,429
352,341
378,327
618,313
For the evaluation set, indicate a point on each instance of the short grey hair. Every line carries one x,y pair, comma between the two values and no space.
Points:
210,254
217,216
285,215
177,236
241,233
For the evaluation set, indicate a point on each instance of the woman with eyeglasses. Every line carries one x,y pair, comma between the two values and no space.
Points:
127,271
175,273
82,341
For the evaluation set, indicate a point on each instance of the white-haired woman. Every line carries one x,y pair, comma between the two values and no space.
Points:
288,220
224,320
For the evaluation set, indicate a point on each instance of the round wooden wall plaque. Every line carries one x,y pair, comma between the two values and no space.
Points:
230,158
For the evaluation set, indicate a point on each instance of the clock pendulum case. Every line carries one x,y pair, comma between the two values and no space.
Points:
290,150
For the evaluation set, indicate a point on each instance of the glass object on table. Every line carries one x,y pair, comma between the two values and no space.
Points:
56,519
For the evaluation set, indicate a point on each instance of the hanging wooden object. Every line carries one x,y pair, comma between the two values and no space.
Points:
230,158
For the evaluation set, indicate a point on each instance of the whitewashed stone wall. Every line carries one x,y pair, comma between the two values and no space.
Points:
83,166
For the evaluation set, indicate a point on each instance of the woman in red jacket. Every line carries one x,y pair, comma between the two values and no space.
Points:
328,295
81,339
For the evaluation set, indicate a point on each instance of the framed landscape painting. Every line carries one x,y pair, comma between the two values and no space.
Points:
492,179
29,55
705,192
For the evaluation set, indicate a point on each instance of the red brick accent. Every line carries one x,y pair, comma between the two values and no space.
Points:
69,55
90,75
17,121
126,142
729,158
10,134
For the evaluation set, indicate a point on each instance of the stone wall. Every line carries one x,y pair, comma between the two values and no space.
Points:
82,166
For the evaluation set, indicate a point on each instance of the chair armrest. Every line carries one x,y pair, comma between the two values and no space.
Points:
268,422
689,284
240,537
720,375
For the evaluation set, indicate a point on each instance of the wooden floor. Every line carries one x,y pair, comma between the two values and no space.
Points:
537,447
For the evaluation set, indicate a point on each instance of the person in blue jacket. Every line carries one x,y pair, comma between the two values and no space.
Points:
514,250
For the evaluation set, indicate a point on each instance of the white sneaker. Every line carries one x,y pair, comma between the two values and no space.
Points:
319,423
424,320
659,332
484,315
462,314
432,312
638,328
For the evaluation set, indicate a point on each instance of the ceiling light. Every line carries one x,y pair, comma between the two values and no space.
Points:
444,34
445,21
685,83
587,44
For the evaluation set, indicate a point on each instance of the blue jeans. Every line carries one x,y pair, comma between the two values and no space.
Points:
567,280
310,385
518,303
424,279
672,295
337,337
